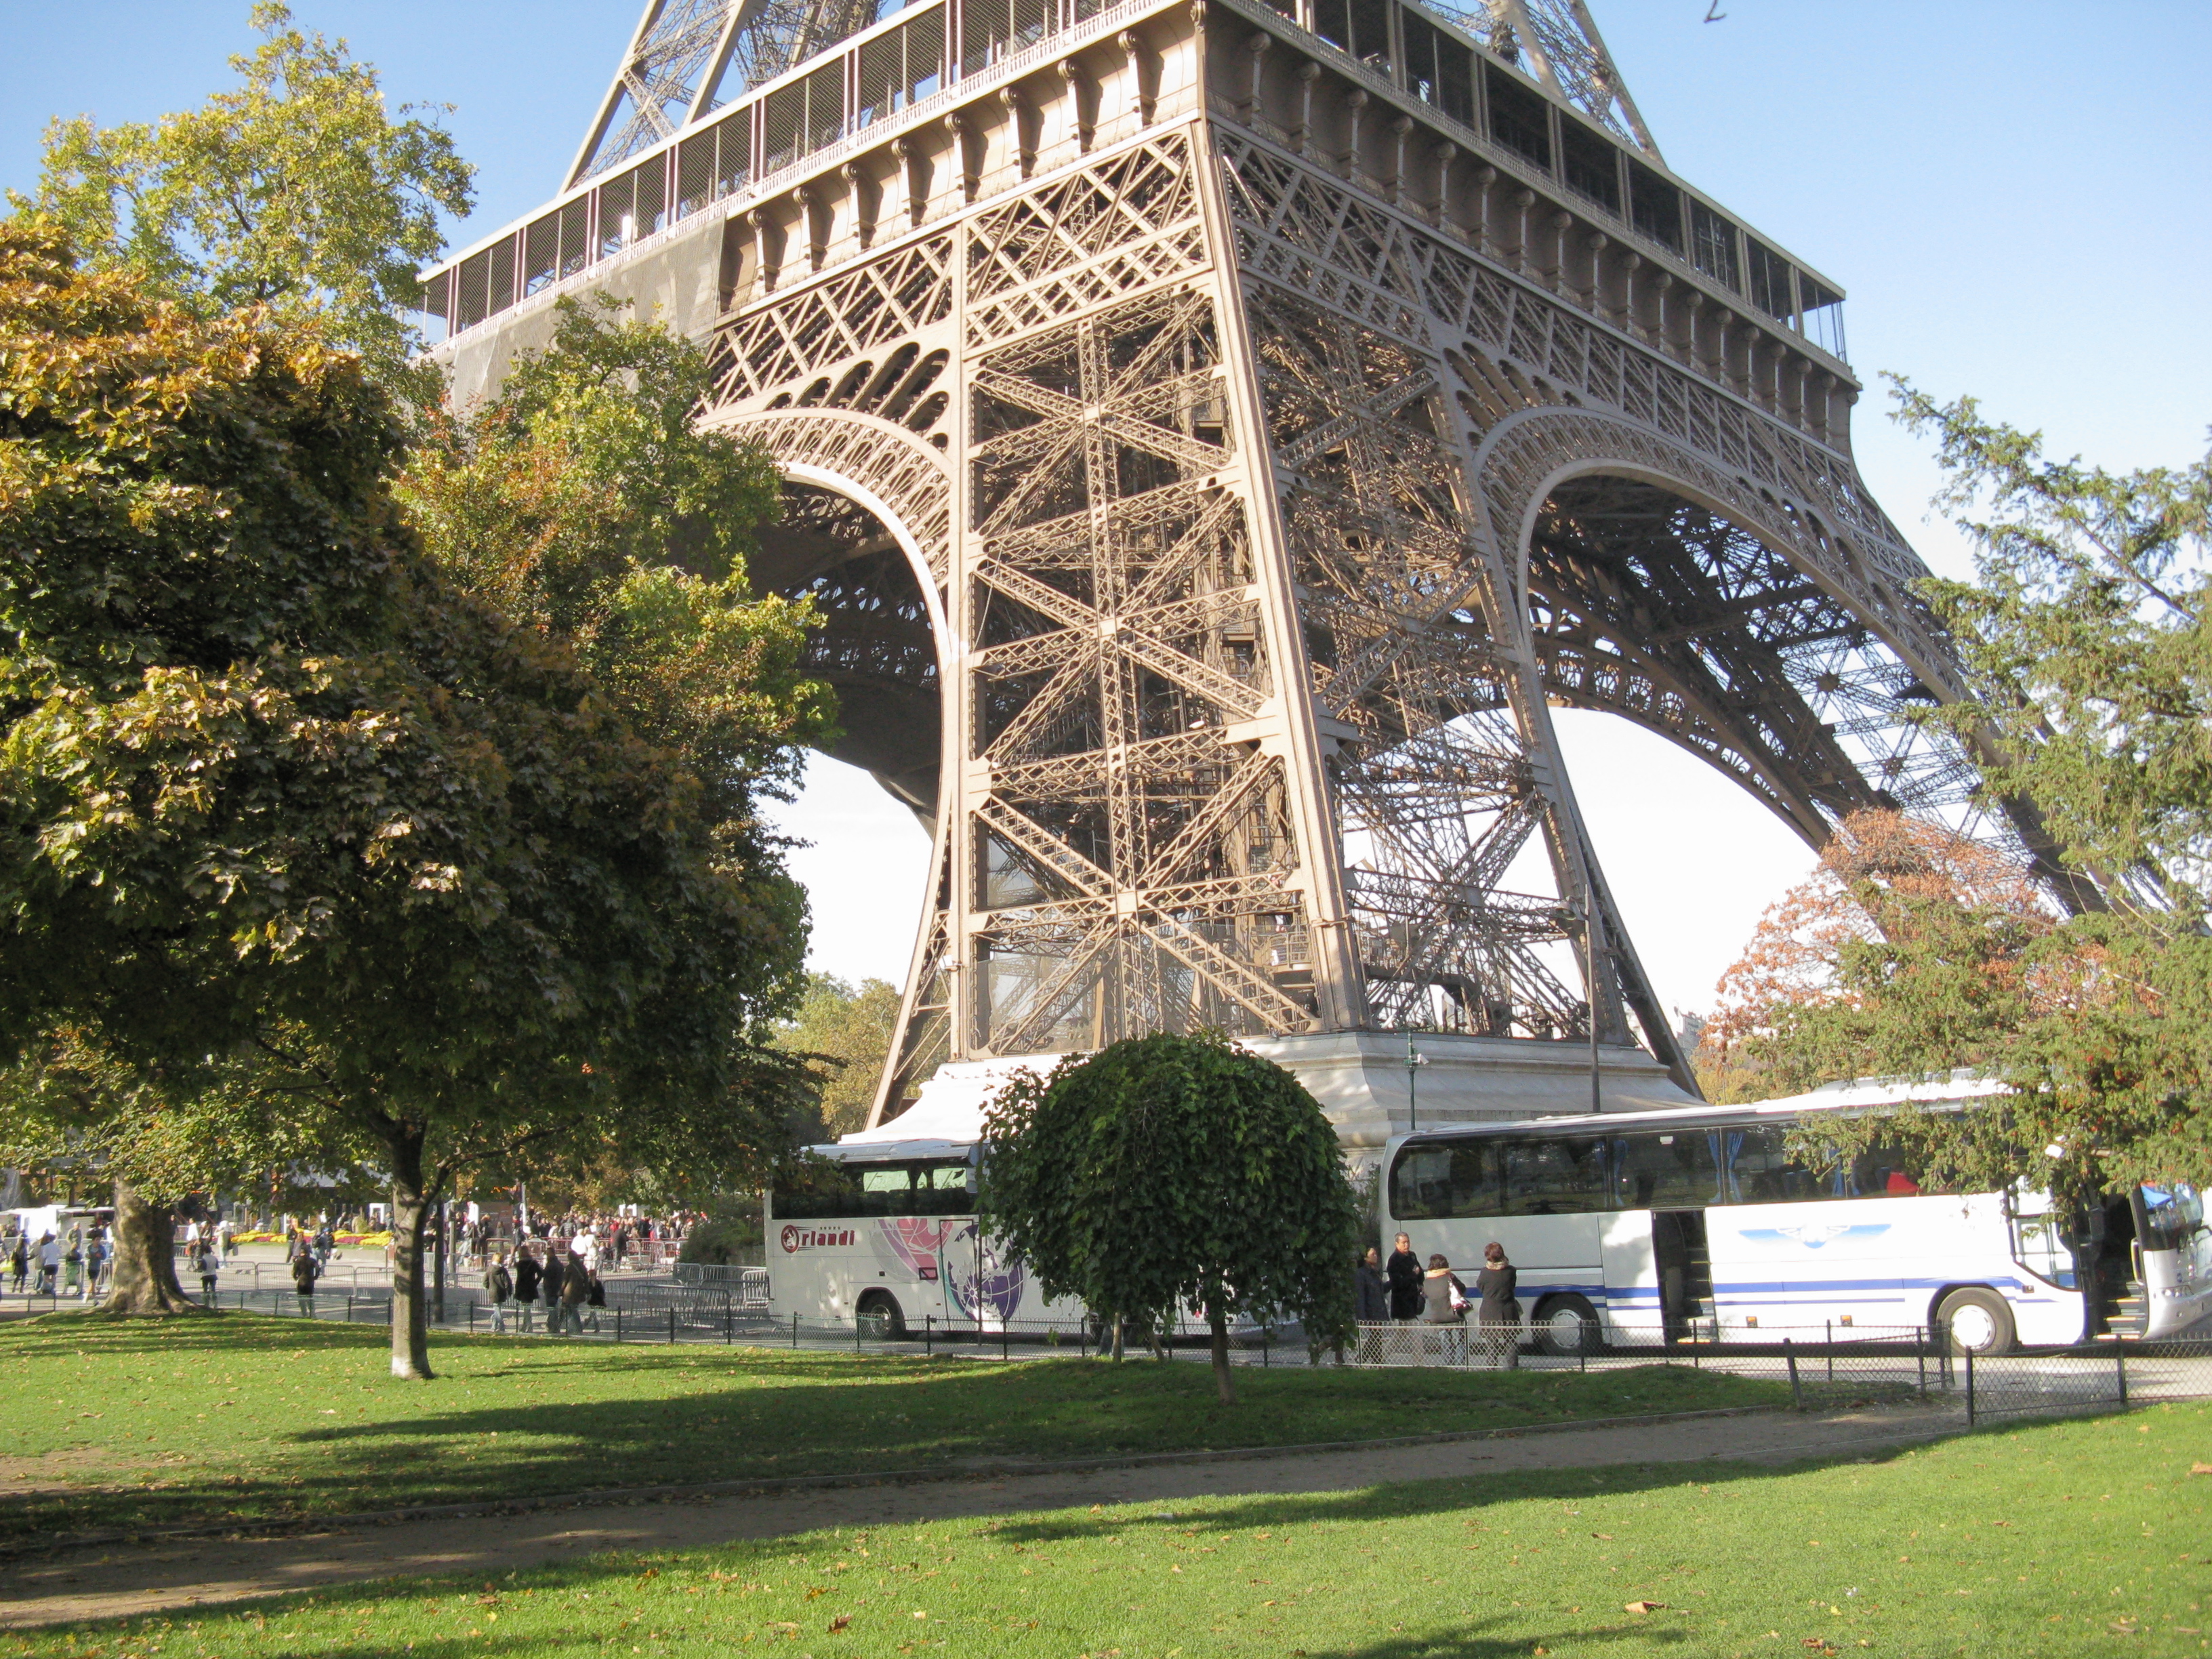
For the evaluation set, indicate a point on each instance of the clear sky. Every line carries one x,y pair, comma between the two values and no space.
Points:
2012,192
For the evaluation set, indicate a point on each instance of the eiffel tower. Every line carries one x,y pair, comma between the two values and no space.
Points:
1218,434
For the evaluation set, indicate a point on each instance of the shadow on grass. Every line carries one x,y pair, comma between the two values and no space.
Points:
733,1414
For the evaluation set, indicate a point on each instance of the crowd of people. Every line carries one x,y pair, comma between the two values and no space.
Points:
1405,1290
75,1263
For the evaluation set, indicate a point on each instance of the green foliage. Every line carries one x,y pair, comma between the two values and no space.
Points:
2085,636
721,1241
299,188
2085,633
849,1027
1167,1171
269,784
582,501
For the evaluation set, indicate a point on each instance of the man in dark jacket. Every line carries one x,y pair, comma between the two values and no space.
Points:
526,1276
1404,1271
303,1280
550,1288
1373,1296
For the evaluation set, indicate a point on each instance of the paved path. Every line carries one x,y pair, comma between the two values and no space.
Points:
118,1579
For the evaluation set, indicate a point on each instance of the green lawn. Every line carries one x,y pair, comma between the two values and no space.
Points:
105,1423
2082,1537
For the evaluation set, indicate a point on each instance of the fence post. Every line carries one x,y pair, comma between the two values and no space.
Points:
671,1324
1970,1387
794,1333
2120,1364
1790,1357
1920,1356
1831,1345
928,1331
349,1307
1266,1346
1002,1339
729,1322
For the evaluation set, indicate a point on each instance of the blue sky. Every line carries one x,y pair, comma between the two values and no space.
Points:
2013,195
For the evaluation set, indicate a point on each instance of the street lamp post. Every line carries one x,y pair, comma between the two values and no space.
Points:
1414,1061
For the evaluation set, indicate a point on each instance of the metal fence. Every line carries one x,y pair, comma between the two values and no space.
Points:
1822,1366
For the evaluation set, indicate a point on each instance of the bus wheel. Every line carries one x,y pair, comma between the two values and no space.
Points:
1977,1320
1566,1324
879,1317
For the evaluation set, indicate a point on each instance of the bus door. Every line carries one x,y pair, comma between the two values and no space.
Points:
1685,1268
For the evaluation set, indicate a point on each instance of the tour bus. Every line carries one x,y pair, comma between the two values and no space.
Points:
1650,1225
884,1234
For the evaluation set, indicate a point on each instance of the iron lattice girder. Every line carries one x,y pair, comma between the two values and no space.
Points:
1211,466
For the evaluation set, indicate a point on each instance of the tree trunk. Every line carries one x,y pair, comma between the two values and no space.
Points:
1217,1320
1117,1339
410,1212
145,1243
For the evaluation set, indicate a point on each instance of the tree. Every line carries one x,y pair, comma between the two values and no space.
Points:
1166,1172
582,501
271,785
850,1027
159,1136
298,188
2085,635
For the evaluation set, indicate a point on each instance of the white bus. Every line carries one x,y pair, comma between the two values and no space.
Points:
884,1234
1640,1223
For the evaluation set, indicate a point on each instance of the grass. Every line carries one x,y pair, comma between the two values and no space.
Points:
116,1424
2080,1537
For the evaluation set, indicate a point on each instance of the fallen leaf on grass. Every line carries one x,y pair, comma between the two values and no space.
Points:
840,1622
2200,1469
1605,1535
1644,1606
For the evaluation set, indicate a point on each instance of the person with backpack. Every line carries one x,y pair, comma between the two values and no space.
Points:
499,1285
208,1265
576,1290
303,1274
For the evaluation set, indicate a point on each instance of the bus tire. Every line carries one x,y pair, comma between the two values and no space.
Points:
1976,1319
879,1317
1566,1325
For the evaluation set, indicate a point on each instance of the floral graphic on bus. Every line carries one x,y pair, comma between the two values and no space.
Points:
914,1241
985,1283
1817,1235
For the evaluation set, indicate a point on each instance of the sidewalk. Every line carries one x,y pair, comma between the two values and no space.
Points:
116,1580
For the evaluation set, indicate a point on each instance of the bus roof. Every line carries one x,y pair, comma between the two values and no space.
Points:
1860,1095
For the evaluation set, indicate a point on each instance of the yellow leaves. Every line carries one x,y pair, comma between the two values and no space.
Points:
1643,1607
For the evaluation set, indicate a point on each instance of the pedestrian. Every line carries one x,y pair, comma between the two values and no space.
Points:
1444,1302
210,1265
575,1289
326,1242
229,1236
1499,1315
19,1261
1371,1292
304,1274
50,1263
1403,1270
95,1260
73,1265
499,1285
527,1274
550,1288
595,1300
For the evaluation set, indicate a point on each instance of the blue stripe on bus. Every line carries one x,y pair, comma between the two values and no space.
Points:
1798,1290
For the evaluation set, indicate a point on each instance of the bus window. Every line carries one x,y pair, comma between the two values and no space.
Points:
1433,1183
1882,1172
1761,1171
828,1190
1662,1170
1560,1174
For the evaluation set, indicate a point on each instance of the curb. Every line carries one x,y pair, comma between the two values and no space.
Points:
775,1485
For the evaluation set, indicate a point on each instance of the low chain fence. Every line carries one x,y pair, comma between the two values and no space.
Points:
1823,1366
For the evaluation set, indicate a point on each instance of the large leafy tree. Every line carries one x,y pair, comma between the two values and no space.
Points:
300,187
1911,953
270,783
1167,1171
